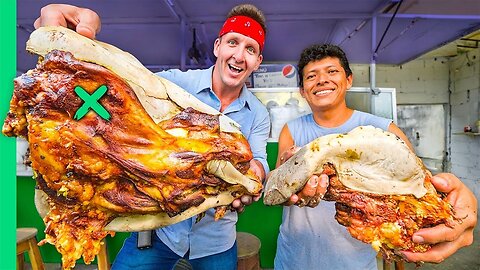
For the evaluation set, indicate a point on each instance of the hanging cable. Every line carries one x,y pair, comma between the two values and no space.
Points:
388,26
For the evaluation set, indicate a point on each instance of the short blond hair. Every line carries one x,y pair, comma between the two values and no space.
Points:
250,11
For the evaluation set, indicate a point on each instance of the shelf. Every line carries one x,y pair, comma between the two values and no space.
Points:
274,90
23,170
468,133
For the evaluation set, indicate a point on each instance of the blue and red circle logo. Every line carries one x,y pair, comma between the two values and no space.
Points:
289,71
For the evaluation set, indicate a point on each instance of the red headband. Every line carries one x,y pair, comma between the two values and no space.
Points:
246,26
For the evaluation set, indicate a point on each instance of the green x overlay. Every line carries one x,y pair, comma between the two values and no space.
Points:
91,102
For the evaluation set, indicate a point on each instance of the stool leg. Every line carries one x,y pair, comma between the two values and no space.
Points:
399,266
34,255
102,257
20,261
386,265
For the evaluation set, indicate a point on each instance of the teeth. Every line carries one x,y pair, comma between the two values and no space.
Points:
237,69
323,92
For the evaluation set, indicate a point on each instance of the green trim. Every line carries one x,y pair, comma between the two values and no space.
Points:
91,102
7,158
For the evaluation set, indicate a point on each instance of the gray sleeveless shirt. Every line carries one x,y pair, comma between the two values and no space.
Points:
311,238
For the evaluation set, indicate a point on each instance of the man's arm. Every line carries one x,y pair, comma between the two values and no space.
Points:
286,146
258,144
315,187
397,131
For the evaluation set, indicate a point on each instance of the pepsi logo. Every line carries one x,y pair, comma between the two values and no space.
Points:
289,71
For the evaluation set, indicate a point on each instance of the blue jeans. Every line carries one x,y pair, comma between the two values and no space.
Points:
160,257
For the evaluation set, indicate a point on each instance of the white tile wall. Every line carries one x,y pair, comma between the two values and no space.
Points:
426,81
465,150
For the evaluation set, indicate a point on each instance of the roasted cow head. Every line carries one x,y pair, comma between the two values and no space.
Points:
381,189
113,145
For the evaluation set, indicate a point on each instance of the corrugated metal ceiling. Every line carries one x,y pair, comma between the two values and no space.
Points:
159,32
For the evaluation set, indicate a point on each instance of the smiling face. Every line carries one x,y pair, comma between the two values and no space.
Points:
325,84
237,57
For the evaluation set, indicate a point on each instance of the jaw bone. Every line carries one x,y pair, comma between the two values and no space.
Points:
366,159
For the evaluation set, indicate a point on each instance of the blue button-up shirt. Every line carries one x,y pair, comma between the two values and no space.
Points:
209,237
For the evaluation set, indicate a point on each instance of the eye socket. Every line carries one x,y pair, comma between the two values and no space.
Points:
309,77
332,71
231,42
251,50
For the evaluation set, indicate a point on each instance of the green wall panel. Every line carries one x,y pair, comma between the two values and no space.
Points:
263,221
7,158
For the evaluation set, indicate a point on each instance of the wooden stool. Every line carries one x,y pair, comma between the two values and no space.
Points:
26,241
248,246
43,207
102,257
386,265
397,265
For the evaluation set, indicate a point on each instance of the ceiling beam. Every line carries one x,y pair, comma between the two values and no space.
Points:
384,6
180,14
288,17
354,32
433,16
331,33
119,20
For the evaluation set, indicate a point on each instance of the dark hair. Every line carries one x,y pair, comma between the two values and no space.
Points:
249,11
319,52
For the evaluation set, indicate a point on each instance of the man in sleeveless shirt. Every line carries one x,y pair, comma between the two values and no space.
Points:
310,238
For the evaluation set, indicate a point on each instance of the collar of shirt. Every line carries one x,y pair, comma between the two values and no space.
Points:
205,85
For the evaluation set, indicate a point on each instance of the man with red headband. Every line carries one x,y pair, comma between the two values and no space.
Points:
206,244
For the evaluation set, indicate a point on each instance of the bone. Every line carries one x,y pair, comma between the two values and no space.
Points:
366,159
226,171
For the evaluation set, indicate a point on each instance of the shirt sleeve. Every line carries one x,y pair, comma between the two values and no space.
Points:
258,140
170,74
